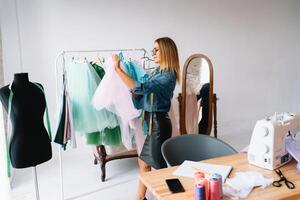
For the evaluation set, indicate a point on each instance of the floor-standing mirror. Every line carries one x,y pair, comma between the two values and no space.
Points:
197,101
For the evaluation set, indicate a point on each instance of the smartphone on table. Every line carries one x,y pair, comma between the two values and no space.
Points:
174,185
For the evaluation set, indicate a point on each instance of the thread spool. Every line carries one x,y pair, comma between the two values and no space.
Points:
198,176
204,182
200,192
214,189
219,177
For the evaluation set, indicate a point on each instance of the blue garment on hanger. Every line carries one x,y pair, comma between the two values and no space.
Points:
135,71
139,73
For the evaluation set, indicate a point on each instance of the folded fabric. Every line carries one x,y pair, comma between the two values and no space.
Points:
293,147
241,185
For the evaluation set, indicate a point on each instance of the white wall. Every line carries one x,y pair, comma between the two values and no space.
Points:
297,53
253,45
4,180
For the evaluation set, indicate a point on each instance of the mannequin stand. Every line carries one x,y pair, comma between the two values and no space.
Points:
36,186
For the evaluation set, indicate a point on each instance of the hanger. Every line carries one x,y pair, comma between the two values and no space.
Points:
79,59
130,56
97,60
101,60
147,58
149,67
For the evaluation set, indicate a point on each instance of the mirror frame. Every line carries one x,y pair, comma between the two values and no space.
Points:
182,97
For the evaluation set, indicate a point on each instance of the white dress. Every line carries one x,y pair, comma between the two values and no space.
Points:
115,96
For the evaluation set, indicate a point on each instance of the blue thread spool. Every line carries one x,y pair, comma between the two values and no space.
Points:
199,192
219,177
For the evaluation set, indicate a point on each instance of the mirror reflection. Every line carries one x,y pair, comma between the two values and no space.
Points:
197,96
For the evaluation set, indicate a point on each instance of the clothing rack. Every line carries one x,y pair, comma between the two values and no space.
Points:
103,157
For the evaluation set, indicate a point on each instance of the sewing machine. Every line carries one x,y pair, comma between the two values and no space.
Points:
267,145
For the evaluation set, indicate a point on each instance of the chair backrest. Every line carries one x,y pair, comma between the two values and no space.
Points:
194,147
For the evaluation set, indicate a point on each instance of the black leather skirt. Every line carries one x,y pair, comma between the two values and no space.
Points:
161,131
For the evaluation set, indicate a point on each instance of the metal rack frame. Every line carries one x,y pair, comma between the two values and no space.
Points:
103,157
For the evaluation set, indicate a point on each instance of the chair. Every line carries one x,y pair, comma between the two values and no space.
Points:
194,147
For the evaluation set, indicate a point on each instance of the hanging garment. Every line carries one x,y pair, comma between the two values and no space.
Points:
105,97
175,128
82,81
135,71
59,136
65,127
191,113
99,70
109,136
70,121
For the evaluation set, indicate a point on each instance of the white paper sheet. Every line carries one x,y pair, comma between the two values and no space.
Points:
188,169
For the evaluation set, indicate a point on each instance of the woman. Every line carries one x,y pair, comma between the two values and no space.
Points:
154,97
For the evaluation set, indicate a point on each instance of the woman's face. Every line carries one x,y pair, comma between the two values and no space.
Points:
156,53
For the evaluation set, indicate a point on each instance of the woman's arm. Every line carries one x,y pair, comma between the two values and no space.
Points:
125,78
158,83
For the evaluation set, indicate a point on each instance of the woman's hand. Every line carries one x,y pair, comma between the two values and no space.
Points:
116,61
124,77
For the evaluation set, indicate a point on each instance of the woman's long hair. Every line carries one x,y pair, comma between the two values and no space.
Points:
169,56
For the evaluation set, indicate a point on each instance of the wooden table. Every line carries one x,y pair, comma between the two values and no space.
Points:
155,180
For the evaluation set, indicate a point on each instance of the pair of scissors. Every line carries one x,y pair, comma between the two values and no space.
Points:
278,183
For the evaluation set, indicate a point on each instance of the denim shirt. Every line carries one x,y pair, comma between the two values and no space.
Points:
162,84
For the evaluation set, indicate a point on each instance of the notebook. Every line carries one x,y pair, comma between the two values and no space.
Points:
188,169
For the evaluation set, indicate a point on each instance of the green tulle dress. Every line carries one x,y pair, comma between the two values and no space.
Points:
99,127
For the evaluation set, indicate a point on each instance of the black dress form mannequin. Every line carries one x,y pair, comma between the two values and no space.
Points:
30,144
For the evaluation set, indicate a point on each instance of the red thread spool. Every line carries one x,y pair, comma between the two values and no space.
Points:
215,190
198,176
